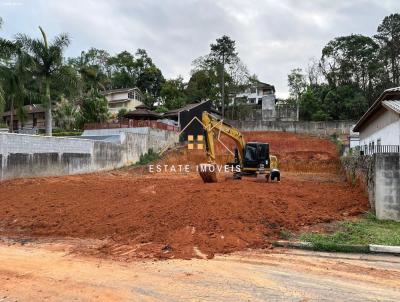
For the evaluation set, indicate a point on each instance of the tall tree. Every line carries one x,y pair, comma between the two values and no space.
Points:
173,93
388,37
94,108
151,80
223,52
297,85
123,70
14,75
351,59
48,60
93,69
202,86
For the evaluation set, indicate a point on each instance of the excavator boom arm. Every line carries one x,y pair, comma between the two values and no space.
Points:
211,125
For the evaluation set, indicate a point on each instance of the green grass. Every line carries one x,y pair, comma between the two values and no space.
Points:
147,158
68,133
363,232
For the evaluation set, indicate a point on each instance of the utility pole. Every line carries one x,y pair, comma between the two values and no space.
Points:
223,86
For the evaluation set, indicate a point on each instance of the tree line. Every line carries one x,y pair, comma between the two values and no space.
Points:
351,73
35,70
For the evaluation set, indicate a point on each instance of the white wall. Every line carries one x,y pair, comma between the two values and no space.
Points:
33,155
115,131
257,95
24,143
385,125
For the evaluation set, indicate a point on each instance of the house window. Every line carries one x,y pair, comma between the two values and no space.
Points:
252,100
131,95
378,142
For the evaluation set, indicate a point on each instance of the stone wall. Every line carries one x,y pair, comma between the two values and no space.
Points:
360,172
30,155
314,128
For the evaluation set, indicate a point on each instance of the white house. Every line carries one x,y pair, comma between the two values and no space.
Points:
260,93
379,127
127,98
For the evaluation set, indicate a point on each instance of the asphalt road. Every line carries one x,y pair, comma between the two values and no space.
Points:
51,273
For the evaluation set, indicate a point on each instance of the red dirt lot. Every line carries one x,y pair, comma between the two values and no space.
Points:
295,152
176,215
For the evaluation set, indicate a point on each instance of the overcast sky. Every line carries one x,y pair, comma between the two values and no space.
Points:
272,37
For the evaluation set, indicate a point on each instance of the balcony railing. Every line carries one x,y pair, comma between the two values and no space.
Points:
369,150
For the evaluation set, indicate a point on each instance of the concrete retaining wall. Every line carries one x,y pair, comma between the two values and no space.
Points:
387,186
29,155
314,128
379,175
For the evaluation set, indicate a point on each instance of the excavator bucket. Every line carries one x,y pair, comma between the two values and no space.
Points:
208,173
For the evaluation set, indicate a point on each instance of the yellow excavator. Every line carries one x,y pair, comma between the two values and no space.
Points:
250,159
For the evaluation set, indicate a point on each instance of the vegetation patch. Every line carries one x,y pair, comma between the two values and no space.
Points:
356,233
147,158
68,133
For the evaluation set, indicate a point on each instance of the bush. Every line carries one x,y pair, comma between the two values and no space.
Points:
68,133
148,157
122,112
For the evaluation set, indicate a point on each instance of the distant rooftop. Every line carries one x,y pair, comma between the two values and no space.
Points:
33,108
142,112
110,91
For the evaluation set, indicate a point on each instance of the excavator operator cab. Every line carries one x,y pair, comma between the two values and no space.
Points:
256,155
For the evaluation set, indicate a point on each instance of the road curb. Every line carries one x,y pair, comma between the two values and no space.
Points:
294,244
376,248
345,248
355,248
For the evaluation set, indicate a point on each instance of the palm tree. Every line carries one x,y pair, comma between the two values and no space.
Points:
92,77
66,114
7,49
14,65
13,78
48,61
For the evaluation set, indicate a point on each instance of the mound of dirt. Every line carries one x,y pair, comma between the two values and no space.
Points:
296,153
167,216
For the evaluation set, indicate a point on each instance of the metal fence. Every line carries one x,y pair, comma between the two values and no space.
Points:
372,149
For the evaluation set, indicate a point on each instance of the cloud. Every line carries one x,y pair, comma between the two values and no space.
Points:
272,37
